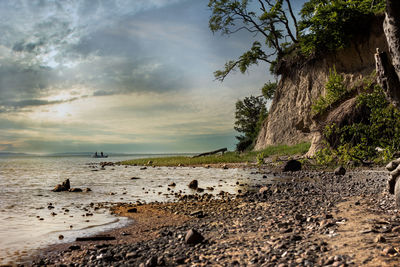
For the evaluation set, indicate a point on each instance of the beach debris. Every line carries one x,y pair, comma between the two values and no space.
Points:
65,186
222,151
292,166
193,237
340,170
193,184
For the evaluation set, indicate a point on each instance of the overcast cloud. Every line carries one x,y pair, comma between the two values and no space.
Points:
129,76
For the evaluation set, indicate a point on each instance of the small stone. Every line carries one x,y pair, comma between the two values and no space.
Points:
75,190
193,237
389,251
340,170
152,262
172,184
380,239
61,237
74,247
193,184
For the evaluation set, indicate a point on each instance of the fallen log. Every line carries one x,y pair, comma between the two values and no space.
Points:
222,150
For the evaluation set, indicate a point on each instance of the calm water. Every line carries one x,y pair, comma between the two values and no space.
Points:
25,195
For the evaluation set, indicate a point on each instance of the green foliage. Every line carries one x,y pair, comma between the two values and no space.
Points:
273,21
328,25
268,90
249,115
260,158
379,127
325,156
335,90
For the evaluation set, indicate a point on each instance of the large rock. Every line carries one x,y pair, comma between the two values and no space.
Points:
65,186
292,166
340,170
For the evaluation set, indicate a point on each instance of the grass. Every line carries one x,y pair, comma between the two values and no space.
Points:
228,157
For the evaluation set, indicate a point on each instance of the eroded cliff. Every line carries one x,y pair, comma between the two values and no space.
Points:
290,120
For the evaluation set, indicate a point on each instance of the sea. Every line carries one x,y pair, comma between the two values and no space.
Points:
32,216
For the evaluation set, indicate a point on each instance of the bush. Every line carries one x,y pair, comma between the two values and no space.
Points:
379,127
335,90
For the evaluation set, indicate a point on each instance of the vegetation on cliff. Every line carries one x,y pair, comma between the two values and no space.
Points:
282,37
373,135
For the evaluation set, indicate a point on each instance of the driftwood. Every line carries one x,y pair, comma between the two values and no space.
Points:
222,150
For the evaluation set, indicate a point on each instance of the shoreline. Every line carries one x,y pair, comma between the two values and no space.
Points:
316,218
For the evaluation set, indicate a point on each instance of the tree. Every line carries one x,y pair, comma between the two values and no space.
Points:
274,20
249,115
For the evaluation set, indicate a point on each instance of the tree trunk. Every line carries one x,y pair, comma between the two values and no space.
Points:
388,68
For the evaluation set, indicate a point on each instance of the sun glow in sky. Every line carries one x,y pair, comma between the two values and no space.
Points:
117,76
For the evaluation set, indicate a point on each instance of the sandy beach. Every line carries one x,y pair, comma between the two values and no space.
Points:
316,218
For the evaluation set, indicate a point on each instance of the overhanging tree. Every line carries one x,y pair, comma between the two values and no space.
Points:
273,21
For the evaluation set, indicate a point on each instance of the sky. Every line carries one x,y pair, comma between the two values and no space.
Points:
130,76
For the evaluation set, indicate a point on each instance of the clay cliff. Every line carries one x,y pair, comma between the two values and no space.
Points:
290,120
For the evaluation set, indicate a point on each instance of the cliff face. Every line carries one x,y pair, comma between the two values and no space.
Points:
290,120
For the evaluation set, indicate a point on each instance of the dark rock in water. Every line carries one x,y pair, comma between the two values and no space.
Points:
87,189
135,178
200,190
75,190
65,186
292,166
143,168
132,210
193,237
193,184
172,184
60,237
340,170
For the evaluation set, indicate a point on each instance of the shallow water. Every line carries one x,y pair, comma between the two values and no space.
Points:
25,196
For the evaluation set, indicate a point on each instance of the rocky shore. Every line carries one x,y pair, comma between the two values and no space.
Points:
315,218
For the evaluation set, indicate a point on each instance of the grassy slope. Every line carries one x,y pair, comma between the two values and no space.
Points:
229,157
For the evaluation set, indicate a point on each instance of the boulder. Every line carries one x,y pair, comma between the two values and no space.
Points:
340,170
193,237
292,166
65,186
193,184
